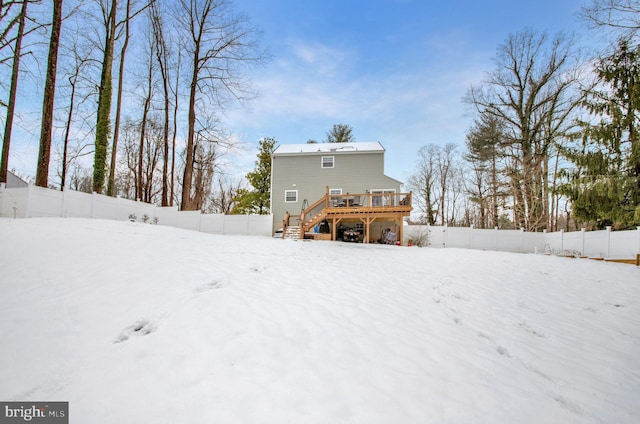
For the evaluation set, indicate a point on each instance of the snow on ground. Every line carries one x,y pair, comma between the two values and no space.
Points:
136,323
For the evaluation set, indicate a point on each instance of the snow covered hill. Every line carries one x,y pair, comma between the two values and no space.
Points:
136,323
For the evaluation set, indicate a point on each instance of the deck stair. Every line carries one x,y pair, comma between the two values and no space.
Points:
313,215
292,232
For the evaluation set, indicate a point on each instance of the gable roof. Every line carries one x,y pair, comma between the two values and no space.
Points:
324,148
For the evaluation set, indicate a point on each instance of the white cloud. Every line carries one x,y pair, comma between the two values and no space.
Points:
313,86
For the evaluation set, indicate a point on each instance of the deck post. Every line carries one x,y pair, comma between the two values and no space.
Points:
367,228
326,198
333,229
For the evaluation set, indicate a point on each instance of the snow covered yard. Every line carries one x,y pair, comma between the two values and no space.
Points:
136,323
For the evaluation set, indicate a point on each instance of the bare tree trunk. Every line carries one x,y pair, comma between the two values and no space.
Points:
111,190
11,104
162,58
187,202
495,188
218,42
104,101
73,81
175,133
42,172
143,127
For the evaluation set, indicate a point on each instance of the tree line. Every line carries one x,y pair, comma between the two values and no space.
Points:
120,75
555,142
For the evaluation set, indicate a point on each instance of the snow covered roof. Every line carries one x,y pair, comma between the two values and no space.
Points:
314,148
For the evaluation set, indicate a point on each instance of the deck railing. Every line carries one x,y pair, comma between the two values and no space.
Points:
370,200
350,202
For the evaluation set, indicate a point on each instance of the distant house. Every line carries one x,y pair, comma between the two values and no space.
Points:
343,183
13,181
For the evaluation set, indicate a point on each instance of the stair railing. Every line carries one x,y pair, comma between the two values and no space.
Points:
307,215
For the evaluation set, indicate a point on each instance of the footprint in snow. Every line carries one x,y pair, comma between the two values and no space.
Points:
503,351
215,284
484,336
142,327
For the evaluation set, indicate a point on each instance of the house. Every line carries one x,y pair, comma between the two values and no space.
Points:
343,183
14,181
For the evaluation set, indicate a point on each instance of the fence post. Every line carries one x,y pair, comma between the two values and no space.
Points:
471,237
608,241
582,233
495,231
63,214
28,201
444,236
521,239
2,195
562,241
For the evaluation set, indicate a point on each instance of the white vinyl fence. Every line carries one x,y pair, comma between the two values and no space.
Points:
601,244
34,201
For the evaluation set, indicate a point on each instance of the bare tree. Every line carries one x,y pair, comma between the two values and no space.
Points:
42,172
618,15
219,44
75,76
222,199
11,104
445,170
103,123
146,106
80,179
456,191
162,58
137,181
423,182
116,126
532,91
176,95
9,20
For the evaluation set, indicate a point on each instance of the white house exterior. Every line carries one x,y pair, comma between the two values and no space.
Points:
302,172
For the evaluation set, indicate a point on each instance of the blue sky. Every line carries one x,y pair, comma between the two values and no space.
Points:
394,70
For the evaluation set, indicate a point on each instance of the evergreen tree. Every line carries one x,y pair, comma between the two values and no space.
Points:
605,186
340,133
485,150
257,200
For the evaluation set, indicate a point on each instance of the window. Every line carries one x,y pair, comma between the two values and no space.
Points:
335,191
328,161
290,196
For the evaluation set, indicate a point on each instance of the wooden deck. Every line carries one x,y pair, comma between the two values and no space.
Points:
357,208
